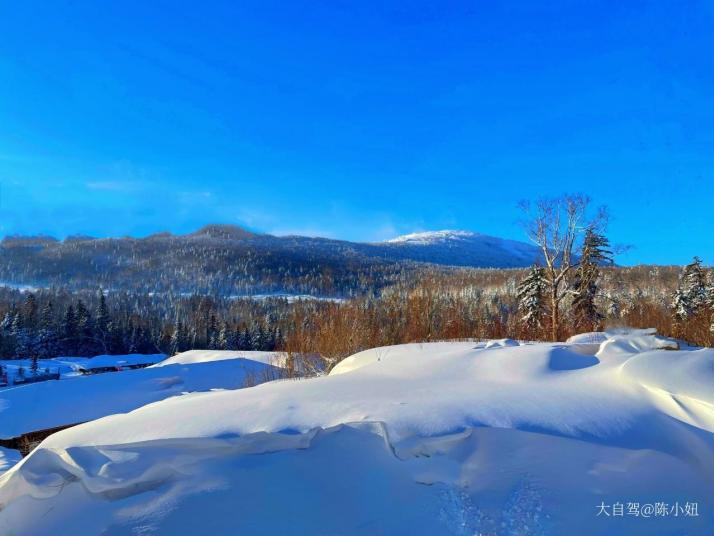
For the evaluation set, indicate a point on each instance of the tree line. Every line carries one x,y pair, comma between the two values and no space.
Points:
574,250
575,288
60,324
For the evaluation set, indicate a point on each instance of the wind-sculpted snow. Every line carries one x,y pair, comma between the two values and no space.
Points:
439,438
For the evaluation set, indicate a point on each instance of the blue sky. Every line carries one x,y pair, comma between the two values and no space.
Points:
358,120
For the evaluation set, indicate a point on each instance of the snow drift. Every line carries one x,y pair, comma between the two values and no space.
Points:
437,438
50,404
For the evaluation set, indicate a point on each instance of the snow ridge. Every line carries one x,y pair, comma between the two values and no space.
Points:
432,237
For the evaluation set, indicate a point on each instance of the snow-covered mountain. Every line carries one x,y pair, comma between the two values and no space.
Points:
432,237
462,248
228,259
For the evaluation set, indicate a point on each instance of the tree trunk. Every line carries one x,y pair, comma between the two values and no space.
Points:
554,313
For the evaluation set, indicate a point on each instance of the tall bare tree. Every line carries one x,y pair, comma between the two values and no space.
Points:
556,226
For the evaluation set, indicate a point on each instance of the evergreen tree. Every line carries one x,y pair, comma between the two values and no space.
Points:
85,329
691,294
222,339
255,341
710,299
133,341
70,332
7,320
212,333
178,339
243,339
22,338
531,299
594,253
103,320
47,339
29,313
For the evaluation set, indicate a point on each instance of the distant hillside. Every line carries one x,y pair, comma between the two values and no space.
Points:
461,248
227,260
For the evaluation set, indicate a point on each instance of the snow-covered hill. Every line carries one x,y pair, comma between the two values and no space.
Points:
432,237
462,248
438,438
233,261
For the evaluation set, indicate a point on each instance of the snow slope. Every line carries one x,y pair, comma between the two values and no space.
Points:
49,404
461,248
71,366
203,356
432,237
438,438
128,360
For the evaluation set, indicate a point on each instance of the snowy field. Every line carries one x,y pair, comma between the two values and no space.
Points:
602,435
69,367
49,404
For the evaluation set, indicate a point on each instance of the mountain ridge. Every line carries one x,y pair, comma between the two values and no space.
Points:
228,259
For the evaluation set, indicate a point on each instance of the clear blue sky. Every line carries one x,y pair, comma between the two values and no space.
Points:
359,120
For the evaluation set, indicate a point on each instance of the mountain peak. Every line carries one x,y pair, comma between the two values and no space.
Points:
223,231
432,237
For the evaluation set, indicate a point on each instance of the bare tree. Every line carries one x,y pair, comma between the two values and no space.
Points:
556,226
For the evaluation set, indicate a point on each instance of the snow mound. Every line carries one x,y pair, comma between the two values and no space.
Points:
400,353
635,341
501,343
203,356
438,438
49,404
593,337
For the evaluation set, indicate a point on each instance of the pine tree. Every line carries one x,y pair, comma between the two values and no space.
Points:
103,320
255,341
531,299
85,330
47,336
70,332
594,253
710,299
21,336
29,313
691,294
212,333
681,306
222,339
178,338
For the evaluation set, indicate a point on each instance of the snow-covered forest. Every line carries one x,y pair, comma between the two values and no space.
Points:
428,304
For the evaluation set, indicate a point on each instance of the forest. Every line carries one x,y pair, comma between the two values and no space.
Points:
431,304
574,287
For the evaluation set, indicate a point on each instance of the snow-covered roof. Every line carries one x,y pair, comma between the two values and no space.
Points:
103,361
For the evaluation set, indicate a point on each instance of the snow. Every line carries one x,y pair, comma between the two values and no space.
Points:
102,361
593,337
49,404
22,287
290,298
72,366
636,341
434,438
432,237
203,356
501,343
